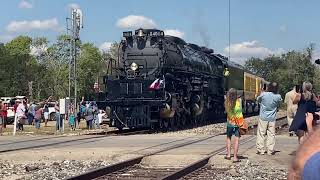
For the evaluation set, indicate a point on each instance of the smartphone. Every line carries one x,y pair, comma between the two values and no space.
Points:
298,88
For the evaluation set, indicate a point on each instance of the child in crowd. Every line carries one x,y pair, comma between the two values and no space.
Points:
72,119
37,117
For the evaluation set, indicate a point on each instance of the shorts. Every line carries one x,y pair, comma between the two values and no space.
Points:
233,131
46,115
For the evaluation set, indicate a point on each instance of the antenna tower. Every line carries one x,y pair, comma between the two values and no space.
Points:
74,24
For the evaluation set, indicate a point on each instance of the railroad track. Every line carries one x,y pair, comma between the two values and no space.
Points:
131,169
100,172
51,144
201,169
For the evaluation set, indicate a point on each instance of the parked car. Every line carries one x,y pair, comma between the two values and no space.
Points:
52,110
6,99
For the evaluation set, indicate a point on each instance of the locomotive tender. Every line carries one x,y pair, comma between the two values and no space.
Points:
162,81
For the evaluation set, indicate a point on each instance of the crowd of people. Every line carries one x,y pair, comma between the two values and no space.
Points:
34,113
90,112
302,117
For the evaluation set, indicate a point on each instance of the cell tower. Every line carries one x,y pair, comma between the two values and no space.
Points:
74,24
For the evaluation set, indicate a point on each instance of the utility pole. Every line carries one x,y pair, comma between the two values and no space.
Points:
73,30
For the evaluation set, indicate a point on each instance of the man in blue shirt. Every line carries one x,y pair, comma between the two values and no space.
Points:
269,103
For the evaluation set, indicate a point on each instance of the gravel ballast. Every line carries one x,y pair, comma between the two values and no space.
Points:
217,128
61,169
46,170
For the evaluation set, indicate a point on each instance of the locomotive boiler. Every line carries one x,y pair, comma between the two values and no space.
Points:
161,81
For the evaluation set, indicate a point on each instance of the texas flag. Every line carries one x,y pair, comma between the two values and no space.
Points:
157,84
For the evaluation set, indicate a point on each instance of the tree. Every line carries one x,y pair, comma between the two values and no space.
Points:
17,65
289,69
90,66
34,68
4,71
110,59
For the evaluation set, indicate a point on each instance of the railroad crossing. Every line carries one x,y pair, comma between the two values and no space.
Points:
150,156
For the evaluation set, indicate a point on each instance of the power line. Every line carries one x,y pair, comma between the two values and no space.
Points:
229,28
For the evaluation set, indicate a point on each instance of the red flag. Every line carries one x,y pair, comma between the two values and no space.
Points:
157,84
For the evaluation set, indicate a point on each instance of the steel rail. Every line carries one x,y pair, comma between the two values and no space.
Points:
204,161
95,173
133,161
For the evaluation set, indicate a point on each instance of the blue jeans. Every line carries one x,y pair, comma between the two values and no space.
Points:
37,123
30,118
58,121
89,124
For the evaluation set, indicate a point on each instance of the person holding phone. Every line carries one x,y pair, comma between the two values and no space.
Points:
269,104
306,114
291,108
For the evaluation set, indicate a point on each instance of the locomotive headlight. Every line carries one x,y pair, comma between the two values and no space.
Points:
133,66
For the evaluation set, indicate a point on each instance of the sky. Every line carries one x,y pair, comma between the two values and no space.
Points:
257,28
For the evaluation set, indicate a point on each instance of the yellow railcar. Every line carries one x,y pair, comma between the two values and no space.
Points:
252,86
248,86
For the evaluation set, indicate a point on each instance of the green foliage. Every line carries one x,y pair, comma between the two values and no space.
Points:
289,69
19,46
110,59
89,67
16,65
38,69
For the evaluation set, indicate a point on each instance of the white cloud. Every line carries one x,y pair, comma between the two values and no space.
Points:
240,52
26,26
105,47
25,5
133,21
174,32
283,28
6,38
73,6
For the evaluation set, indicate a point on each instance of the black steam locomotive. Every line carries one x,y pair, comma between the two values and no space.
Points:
162,81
